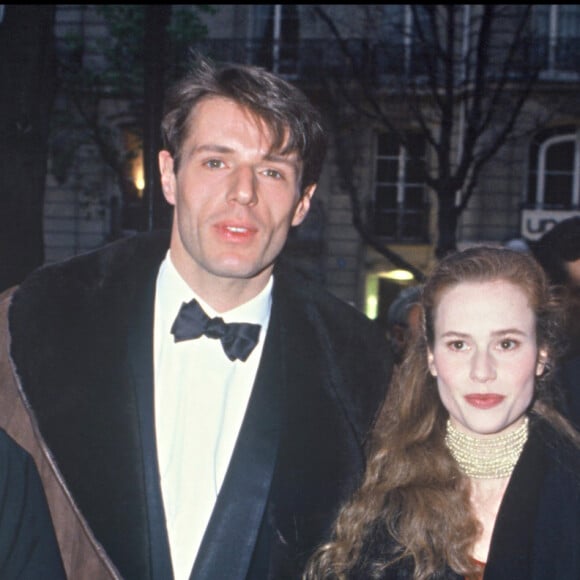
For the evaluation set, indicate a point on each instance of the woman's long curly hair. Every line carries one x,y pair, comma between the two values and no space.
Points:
412,486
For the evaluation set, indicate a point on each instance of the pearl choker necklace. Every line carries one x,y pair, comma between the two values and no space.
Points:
489,457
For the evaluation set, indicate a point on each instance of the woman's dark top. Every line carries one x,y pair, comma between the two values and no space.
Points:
537,530
28,546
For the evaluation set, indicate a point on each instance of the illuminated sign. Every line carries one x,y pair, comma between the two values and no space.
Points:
536,222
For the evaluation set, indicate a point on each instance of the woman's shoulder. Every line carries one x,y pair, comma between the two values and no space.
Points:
561,452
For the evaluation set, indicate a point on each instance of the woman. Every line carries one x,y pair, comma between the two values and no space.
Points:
473,473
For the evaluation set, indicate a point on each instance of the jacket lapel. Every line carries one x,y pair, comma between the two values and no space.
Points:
510,555
230,538
140,349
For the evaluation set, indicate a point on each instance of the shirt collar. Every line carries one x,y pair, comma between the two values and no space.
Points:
173,291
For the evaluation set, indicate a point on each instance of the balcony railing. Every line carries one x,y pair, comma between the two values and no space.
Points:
311,57
379,62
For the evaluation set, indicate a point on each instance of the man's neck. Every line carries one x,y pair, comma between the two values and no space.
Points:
228,296
224,294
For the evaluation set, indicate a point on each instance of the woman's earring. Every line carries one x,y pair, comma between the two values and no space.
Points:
431,365
543,365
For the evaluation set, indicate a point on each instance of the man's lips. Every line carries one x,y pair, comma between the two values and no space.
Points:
235,232
484,400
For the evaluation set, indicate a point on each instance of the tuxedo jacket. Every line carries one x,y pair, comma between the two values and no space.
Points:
76,389
537,530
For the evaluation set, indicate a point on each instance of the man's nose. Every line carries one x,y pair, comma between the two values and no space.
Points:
243,188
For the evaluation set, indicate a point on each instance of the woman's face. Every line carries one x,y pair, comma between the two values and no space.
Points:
485,356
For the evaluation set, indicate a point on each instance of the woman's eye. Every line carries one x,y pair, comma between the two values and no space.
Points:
457,345
508,344
214,163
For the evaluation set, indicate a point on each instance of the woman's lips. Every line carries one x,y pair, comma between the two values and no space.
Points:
484,400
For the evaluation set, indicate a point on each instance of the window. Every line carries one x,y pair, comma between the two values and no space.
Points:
554,177
557,31
400,207
276,30
405,36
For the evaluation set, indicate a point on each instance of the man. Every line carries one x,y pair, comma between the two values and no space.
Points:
167,452
403,322
558,251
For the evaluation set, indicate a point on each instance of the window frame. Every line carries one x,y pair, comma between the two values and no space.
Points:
283,53
553,38
541,167
400,210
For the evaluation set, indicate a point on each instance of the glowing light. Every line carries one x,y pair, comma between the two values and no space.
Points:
400,275
135,170
372,306
138,177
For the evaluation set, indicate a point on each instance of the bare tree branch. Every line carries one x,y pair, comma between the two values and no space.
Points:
473,84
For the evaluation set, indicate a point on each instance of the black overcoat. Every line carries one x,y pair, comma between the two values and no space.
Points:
81,350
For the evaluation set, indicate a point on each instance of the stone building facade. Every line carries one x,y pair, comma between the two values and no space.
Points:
532,181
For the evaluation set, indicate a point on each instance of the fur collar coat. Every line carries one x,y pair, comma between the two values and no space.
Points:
76,391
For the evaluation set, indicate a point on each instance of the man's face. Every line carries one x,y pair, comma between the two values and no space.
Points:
234,199
573,269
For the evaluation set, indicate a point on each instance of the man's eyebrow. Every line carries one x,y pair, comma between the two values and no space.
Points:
211,148
291,159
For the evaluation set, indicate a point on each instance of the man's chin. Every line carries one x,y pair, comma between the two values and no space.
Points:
240,271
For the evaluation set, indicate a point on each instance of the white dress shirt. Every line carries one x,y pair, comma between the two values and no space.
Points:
200,401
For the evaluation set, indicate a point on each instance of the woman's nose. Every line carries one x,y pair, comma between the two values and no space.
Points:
483,367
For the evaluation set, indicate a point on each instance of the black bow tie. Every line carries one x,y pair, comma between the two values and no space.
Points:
238,339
